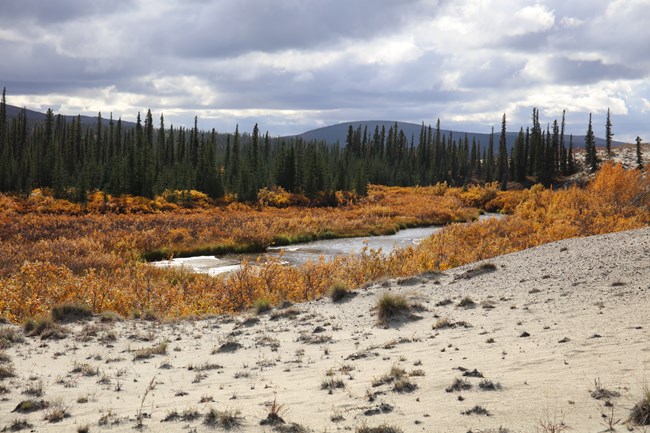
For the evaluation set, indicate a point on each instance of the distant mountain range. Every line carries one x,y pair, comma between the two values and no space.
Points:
37,116
334,134
338,133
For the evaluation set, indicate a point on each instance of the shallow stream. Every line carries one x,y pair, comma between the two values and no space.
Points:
301,253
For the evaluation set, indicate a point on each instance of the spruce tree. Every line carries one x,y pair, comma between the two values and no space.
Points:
502,162
608,135
639,155
591,159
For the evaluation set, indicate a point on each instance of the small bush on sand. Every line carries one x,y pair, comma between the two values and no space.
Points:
109,316
338,291
459,385
390,306
18,425
467,302
383,428
44,327
640,413
9,336
71,312
602,393
7,371
262,305
227,419
148,352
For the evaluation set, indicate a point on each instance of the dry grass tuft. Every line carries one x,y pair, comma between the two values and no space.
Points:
382,428
70,312
226,419
640,413
338,291
9,336
18,425
390,306
602,393
44,327
262,305
149,352
459,385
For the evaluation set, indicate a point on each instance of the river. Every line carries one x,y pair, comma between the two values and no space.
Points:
300,253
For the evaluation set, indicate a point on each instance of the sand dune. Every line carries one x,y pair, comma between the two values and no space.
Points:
534,332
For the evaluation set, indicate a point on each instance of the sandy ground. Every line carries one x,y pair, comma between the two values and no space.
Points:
545,324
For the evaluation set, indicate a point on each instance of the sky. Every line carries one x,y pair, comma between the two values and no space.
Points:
296,65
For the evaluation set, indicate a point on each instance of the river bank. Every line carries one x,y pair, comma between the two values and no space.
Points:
526,335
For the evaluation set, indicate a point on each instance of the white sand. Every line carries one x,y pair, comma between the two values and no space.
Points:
566,291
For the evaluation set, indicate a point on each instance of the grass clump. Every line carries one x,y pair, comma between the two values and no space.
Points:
110,317
9,336
56,412
262,305
149,352
602,393
382,428
44,327
476,410
18,425
273,417
7,371
70,312
488,385
332,383
467,302
227,419
459,385
640,412
338,291
31,405
390,306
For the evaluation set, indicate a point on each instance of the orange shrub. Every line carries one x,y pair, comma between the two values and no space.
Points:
94,258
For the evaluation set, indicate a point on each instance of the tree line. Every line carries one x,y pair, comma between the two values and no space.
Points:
147,159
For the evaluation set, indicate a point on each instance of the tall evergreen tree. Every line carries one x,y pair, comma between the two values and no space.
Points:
639,155
502,160
608,135
591,158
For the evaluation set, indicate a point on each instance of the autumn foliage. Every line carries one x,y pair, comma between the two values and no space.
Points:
52,251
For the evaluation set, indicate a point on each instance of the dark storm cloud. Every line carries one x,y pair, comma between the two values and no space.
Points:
59,11
569,71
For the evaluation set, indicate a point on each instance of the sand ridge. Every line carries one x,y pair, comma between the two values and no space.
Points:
535,331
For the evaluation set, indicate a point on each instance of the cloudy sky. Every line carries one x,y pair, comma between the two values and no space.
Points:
294,65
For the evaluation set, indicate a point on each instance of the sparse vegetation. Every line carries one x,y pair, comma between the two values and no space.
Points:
476,410
488,385
149,352
262,305
70,312
383,428
602,393
332,383
31,405
467,302
390,306
18,425
640,412
338,291
44,327
9,336
459,385
226,419
56,412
